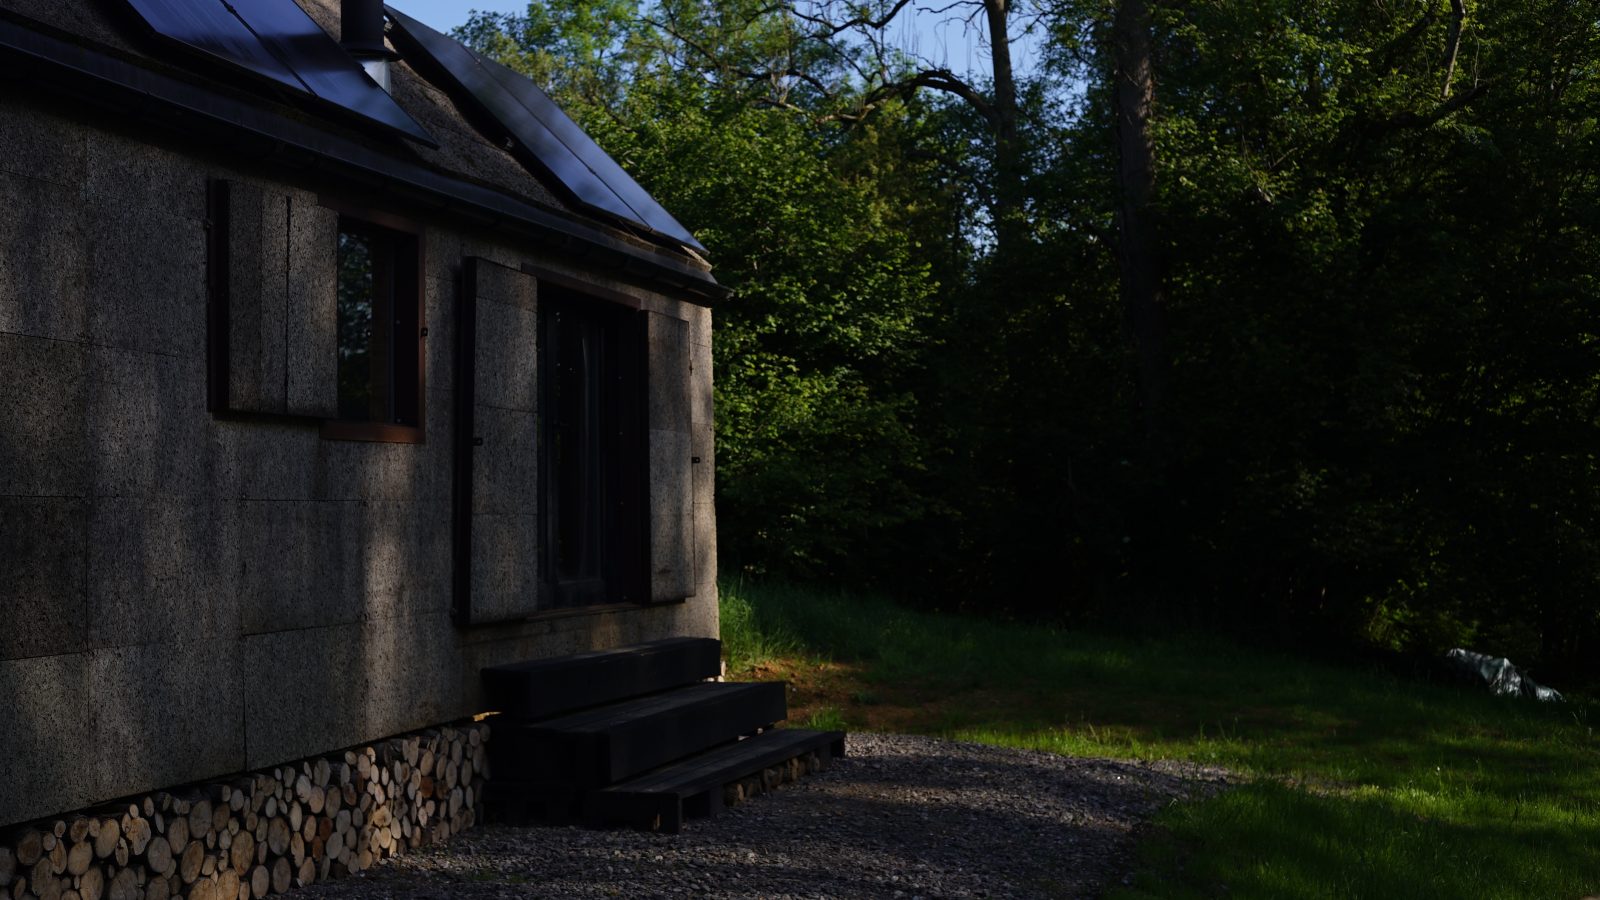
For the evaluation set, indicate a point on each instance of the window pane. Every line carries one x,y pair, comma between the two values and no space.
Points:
356,300
591,461
576,448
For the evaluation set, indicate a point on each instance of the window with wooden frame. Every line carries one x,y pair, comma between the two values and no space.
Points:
380,334
605,414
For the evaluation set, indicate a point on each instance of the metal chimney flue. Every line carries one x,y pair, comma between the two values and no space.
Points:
361,35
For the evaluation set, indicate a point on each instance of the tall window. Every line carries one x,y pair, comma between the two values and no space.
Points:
380,359
593,453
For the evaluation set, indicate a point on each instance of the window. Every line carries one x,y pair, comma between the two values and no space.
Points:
379,334
593,451
590,430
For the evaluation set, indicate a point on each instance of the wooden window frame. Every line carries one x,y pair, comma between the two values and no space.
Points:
416,293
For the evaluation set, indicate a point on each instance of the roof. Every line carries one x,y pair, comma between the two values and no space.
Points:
102,53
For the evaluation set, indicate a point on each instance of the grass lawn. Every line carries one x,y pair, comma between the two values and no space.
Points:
1360,784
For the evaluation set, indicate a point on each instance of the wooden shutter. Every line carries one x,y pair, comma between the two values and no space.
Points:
278,296
497,471
312,300
671,490
256,297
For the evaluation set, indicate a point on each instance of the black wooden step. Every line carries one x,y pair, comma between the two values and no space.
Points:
517,803
548,687
660,800
606,744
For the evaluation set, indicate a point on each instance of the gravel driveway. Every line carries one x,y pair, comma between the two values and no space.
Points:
899,816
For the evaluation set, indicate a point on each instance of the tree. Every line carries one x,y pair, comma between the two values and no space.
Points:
1137,240
818,453
1353,312
836,61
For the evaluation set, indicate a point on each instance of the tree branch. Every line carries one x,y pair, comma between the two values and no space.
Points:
1458,16
1411,120
831,29
938,80
1386,55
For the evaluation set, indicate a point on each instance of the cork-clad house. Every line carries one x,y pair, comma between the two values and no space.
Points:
347,392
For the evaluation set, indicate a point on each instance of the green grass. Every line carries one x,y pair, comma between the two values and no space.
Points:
1361,784
747,641
828,718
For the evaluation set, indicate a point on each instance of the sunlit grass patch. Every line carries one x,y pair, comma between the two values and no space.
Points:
1270,840
829,718
1360,784
747,642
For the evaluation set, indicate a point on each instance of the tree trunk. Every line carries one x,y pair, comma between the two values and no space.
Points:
1008,193
1143,295
1458,17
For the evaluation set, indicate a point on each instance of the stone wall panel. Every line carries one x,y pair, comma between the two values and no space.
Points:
375,470
40,145
439,346
44,259
505,566
705,548
304,692
42,543
505,467
503,281
311,339
136,174
157,707
507,358
293,562
43,439
46,747
254,459
164,569
147,425
703,450
147,279
672,550
257,300
401,564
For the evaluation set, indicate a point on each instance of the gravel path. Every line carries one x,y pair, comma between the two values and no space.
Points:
898,817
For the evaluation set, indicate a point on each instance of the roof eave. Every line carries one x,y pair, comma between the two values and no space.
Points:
124,88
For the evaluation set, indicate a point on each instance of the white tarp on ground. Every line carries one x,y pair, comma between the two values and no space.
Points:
1499,675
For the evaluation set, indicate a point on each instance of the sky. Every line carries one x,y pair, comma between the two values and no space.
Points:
930,35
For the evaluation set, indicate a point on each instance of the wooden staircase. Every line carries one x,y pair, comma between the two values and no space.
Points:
638,736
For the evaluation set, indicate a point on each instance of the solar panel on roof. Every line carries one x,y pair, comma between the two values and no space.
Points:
543,131
464,66
276,38
210,28
563,129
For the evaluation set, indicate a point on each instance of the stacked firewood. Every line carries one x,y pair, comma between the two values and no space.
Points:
257,834
771,778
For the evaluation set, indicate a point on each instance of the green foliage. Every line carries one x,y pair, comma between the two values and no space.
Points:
1380,298
1381,326
815,446
585,51
817,450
